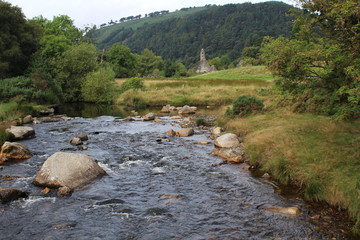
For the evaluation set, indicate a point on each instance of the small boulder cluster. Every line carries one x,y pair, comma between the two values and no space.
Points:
181,110
64,171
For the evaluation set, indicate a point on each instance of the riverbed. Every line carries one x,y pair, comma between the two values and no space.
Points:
155,188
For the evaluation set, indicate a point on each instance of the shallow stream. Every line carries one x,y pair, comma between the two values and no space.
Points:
155,188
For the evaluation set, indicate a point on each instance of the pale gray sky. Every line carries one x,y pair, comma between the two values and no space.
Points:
87,12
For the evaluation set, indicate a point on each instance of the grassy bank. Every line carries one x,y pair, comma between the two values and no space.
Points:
314,152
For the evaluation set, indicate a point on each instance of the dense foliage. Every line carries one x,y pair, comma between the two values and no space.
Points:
220,30
245,105
18,41
319,65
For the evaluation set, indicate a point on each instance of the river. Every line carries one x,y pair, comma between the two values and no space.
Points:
155,188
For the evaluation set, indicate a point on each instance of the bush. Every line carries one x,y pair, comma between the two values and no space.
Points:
245,105
98,86
132,83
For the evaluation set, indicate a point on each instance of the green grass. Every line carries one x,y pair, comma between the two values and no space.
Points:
249,73
314,152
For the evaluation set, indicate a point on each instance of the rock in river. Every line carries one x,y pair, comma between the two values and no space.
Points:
68,169
229,148
21,132
11,194
185,132
14,151
149,117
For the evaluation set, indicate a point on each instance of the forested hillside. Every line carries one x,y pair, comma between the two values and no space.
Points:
220,30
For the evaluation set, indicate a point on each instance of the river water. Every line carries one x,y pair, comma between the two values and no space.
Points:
155,188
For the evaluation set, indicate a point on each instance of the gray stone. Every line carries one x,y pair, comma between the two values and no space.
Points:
227,140
185,132
67,169
187,110
171,133
76,141
216,131
149,117
28,119
231,155
14,151
11,194
64,191
21,132
83,137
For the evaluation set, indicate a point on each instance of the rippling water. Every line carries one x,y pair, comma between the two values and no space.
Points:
167,190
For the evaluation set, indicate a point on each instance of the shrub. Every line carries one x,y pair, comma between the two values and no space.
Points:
245,105
132,83
98,86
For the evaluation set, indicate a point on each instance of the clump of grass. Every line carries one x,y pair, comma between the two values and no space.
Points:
314,152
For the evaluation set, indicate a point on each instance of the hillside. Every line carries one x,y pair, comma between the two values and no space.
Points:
220,30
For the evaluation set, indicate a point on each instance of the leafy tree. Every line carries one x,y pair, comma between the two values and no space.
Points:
98,86
73,66
216,62
125,63
318,65
18,41
181,70
149,62
169,68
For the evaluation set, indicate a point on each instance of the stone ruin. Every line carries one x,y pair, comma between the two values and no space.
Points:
204,66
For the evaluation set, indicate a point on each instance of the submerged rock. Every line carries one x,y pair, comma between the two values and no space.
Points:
21,132
11,194
76,141
14,151
290,211
67,169
83,137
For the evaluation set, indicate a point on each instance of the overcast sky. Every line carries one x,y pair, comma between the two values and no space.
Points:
87,12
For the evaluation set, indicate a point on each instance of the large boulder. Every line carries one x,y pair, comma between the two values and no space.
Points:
149,117
185,132
21,132
229,148
227,140
231,155
11,194
68,169
14,151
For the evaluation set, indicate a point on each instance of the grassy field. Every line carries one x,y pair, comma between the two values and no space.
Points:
250,73
202,90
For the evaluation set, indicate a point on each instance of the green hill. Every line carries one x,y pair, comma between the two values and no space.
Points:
220,30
